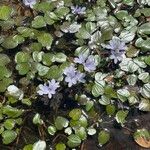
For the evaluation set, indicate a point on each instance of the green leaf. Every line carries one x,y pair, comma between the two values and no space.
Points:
37,56
61,12
8,136
60,146
54,72
60,57
4,59
9,124
73,141
145,90
48,58
45,39
81,132
38,22
144,105
123,94
28,147
42,70
21,57
75,114
23,68
132,79
104,100
12,112
97,90
4,72
5,83
144,28
103,137
37,119
121,116
145,77
5,12
110,109
61,122
51,130
9,43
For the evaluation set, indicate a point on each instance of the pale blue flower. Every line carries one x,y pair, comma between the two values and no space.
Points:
81,59
73,76
88,62
90,65
29,3
48,89
78,10
117,47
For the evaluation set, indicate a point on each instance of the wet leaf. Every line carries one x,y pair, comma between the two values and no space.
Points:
37,119
45,39
5,12
38,22
75,114
103,137
51,130
8,136
60,146
61,122
73,141
121,116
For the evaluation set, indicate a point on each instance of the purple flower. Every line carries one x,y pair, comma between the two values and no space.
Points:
78,10
117,47
29,3
73,76
49,89
87,62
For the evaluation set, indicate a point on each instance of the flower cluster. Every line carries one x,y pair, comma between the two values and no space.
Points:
49,89
117,47
73,76
78,10
29,3
88,62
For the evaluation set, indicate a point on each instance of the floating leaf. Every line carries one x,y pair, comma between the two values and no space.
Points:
73,141
121,116
37,119
38,22
75,114
103,137
51,130
8,136
61,122
5,12
60,146
97,90
45,39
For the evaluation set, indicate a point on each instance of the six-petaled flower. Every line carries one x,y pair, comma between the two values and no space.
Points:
88,62
117,47
48,89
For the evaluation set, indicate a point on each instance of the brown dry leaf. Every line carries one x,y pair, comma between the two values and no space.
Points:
143,142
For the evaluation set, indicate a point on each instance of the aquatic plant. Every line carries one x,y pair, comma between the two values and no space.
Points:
71,71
